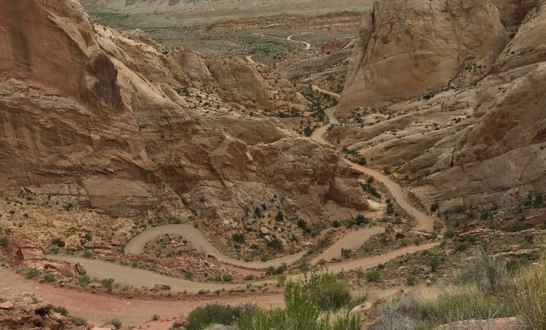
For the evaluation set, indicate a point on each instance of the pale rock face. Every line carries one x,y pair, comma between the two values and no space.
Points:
92,109
481,140
409,48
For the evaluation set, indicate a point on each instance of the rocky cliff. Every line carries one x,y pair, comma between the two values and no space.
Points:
452,95
93,117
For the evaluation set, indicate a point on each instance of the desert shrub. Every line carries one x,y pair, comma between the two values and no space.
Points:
362,161
58,309
88,237
279,217
307,131
390,207
54,249
116,323
392,319
238,238
201,317
370,189
79,322
302,311
346,253
326,290
50,277
277,270
534,200
31,273
3,241
84,281
466,303
435,262
529,296
303,225
275,244
374,276
188,276
361,220
58,242
487,272
462,304
108,283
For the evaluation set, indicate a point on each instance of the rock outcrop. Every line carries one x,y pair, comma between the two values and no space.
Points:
465,129
107,121
409,48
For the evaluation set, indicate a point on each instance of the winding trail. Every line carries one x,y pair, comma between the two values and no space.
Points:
101,308
424,221
350,240
307,45
202,244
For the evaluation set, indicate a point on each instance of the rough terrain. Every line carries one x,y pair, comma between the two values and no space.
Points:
454,108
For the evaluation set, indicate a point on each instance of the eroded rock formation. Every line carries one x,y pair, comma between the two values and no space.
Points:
452,95
108,121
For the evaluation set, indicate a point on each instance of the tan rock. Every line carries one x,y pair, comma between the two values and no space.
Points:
409,48
7,305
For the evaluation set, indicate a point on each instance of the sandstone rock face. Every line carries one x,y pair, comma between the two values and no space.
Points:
240,82
478,141
98,118
409,48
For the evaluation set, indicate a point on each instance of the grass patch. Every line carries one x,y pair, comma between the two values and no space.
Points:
465,303
529,296
204,316
305,301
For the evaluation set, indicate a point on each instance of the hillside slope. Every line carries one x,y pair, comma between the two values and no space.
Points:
94,118
451,95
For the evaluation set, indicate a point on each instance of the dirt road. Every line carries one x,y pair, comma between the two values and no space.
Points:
101,308
424,221
202,244
307,45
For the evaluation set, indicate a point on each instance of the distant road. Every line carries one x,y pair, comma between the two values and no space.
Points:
307,45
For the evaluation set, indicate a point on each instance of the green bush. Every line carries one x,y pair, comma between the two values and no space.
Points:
361,220
116,323
31,273
435,262
529,296
50,277
277,270
326,290
374,276
3,241
489,274
58,242
79,322
302,312
370,189
84,281
108,283
455,305
275,244
204,316
238,238
87,254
